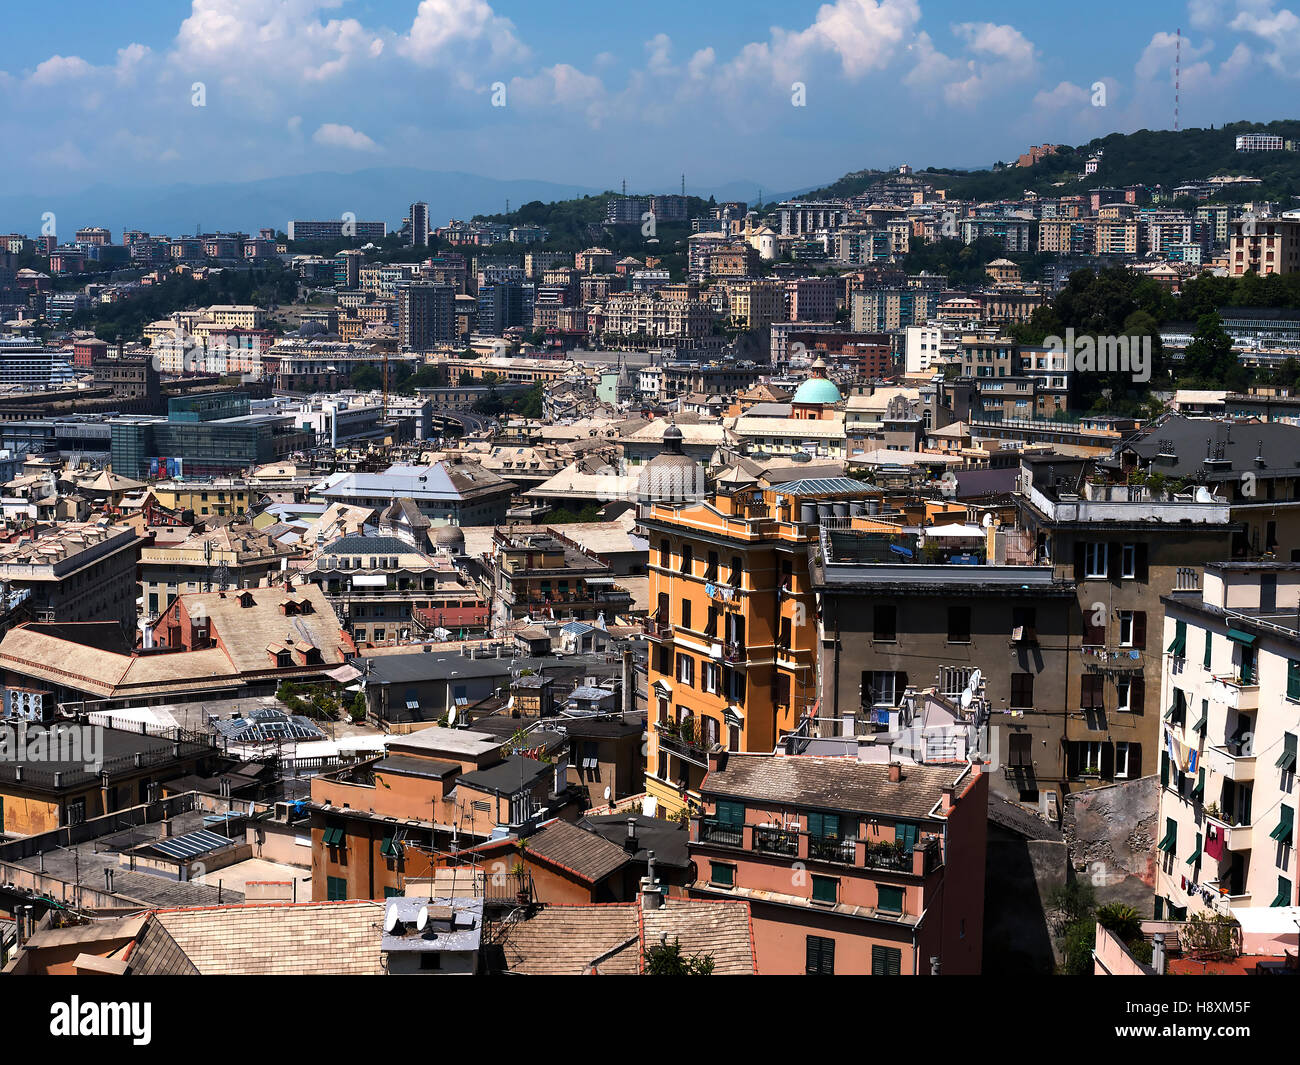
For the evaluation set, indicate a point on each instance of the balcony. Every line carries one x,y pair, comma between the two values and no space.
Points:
828,849
1233,692
688,749
714,831
1235,837
733,652
771,840
1234,766
657,630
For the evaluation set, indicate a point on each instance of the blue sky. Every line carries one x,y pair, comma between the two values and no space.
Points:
598,92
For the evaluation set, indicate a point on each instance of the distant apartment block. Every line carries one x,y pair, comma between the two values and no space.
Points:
1259,142
332,229
1264,245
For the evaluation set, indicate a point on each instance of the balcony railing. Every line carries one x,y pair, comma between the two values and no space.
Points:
828,849
732,651
772,840
658,630
691,750
714,831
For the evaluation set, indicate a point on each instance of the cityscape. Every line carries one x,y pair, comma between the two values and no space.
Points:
597,570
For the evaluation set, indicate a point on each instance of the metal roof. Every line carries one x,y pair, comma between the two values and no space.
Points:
192,844
822,486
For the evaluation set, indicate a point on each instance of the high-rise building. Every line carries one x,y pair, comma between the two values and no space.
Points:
425,315
419,219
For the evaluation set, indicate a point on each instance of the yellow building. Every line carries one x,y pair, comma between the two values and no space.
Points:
205,497
732,628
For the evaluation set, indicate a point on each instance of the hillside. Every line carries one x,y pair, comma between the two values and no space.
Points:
1151,157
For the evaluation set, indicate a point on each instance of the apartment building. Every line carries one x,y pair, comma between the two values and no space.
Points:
1124,547
217,557
425,315
849,868
1264,245
1230,702
956,613
652,314
732,644
538,572
1116,237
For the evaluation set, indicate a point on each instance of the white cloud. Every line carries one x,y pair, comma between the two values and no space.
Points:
1065,95
443,29
59,68
1278,30
333,135
271,39
996,56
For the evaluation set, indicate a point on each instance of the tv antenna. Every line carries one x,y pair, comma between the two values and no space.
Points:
1178,70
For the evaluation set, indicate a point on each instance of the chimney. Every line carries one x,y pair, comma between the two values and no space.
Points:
108,879
947,801
717,761
630,843
651,896
1158,953
895,772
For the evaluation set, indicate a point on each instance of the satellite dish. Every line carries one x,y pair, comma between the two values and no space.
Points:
391,921
972,686
988,521
607,794
422,919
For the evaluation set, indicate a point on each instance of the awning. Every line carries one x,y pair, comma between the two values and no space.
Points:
344,674
1241,637
370,580
954,532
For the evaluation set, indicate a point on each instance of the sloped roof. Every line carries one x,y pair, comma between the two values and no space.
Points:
584,854
832,783
333,938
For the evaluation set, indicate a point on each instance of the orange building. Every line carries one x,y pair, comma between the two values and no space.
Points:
732,629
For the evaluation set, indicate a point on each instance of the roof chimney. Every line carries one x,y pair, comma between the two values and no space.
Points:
1158,953
630,843
895,772
651,897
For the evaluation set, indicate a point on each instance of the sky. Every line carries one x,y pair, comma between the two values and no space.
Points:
784,95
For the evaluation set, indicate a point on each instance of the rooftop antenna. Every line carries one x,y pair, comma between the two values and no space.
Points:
1178,70
683,184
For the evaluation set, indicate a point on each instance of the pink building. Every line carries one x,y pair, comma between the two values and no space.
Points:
849,867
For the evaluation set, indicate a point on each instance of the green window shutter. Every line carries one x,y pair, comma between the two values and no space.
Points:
336,889
1160,908
906,834
820,958
392,893
1285,827
1209,648
1178,645
1203,724
1283,897
1286,761
1177,913
1198,792
1196,854
886,961
889,899
333,837
731,813
814,823
386,848
825,889
725,875
1169,842
1293,679
1164,769
1237,636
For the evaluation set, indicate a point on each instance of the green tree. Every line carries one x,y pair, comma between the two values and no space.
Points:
668,959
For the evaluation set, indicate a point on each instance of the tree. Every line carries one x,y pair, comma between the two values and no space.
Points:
667,959
1209,358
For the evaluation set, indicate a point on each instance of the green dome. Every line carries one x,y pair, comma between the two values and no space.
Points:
817,390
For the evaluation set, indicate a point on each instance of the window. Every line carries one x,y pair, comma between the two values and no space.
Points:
1283,897
711,568
1129,692
879,688
889,899
1020,747
664,553
1091,689
1094,560
886,961
1128,562
1024,624
729,813
711,677
1123,760
959,624
1126,628
336,889
686,670
722,875
686,613
430,959
1292,679
688,559
825,889
820,956
1022,691
884,623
